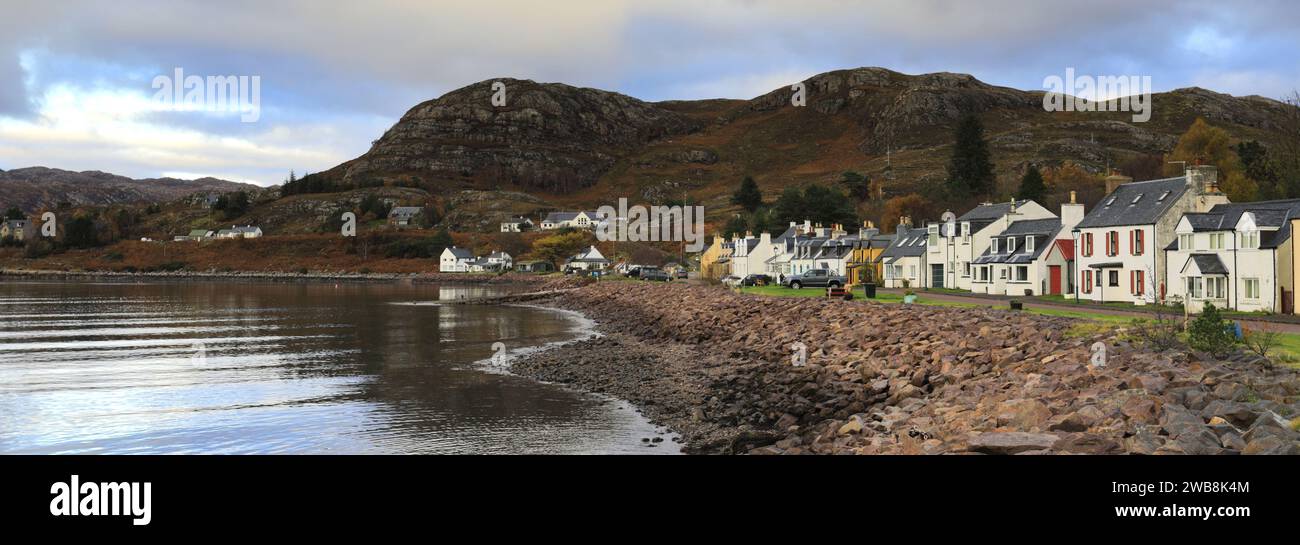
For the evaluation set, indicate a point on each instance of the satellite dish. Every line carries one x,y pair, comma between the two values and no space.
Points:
948,217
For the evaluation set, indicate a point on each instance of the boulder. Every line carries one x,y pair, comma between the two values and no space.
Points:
1012,442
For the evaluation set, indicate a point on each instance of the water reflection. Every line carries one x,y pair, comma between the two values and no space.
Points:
284,368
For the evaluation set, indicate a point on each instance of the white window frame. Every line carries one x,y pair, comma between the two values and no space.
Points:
995,246
1029,244
1011,245
1250,288
1186,241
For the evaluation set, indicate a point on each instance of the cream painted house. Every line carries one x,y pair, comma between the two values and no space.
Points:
952,247
1236,256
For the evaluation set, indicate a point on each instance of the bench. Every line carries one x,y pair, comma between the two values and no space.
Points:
840,292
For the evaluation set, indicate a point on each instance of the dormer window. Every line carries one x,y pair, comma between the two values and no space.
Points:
1185,241
1250,239
995,247
1029,244
1011,245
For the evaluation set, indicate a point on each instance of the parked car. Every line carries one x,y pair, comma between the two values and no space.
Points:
633,272
682,274
654,275
816,278
730,280
756,280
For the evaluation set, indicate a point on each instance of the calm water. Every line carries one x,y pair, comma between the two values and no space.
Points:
286,368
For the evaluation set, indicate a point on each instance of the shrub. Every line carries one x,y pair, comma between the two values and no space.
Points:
1262,341
1161,333
1209,333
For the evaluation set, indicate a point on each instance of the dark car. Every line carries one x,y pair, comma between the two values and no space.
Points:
654,275
633,272
756,280
816,278
681,273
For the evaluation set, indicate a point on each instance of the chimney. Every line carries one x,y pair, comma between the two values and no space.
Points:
807,226
1114,181
1204,179
749,234
764,239
1071,214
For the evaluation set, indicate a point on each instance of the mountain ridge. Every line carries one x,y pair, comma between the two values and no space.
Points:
38,187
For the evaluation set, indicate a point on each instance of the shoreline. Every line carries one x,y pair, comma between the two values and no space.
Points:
715,368
286,277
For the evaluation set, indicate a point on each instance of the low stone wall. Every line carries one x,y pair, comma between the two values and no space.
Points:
910,379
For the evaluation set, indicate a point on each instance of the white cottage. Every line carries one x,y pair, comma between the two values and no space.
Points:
1236,256
903,262
455,259
952,248
1118,245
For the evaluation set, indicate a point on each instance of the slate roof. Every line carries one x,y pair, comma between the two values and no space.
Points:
1207,264
1046,226
404,211
461,253
908,243
560,217
989,211
1136,203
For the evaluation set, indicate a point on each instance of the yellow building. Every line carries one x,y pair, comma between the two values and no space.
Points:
715,263
864,263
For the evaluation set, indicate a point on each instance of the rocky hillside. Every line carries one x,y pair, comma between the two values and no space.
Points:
549,137
35,188
583,147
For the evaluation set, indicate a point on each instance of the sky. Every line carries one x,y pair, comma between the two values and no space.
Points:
79,81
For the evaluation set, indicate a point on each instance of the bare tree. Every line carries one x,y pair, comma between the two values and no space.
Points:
1263,340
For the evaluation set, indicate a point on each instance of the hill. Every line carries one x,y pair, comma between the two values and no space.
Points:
38,188
584,147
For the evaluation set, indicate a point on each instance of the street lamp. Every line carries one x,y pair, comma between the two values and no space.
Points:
1079,281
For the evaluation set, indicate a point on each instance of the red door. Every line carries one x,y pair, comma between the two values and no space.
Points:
1054,279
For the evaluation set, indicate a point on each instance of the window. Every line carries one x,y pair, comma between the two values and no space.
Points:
1114,279
965,233
1193,287
1002,273
1110,201
934,235
1011,245
1250,239
1215,287
1137,282
1162,196
1099,279
1087,282
1185,241
965,267
1136,242
1112,243
1216,241
1022,273
995,247
911,271
1250,288
1029,245
1087,244
1137,198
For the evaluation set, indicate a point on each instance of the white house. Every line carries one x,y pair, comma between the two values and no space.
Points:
455,259
1118,245
517,224
903,263
588,260
577,220
952,247
1236,256
834,254
1017,259
247,231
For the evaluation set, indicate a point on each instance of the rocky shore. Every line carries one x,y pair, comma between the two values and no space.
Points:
717,368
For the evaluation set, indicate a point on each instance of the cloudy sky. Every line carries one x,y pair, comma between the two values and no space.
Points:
77,78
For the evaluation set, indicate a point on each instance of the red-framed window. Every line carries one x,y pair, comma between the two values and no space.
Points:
1087,245
1137,282
1112,243
1136,242
1087,281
